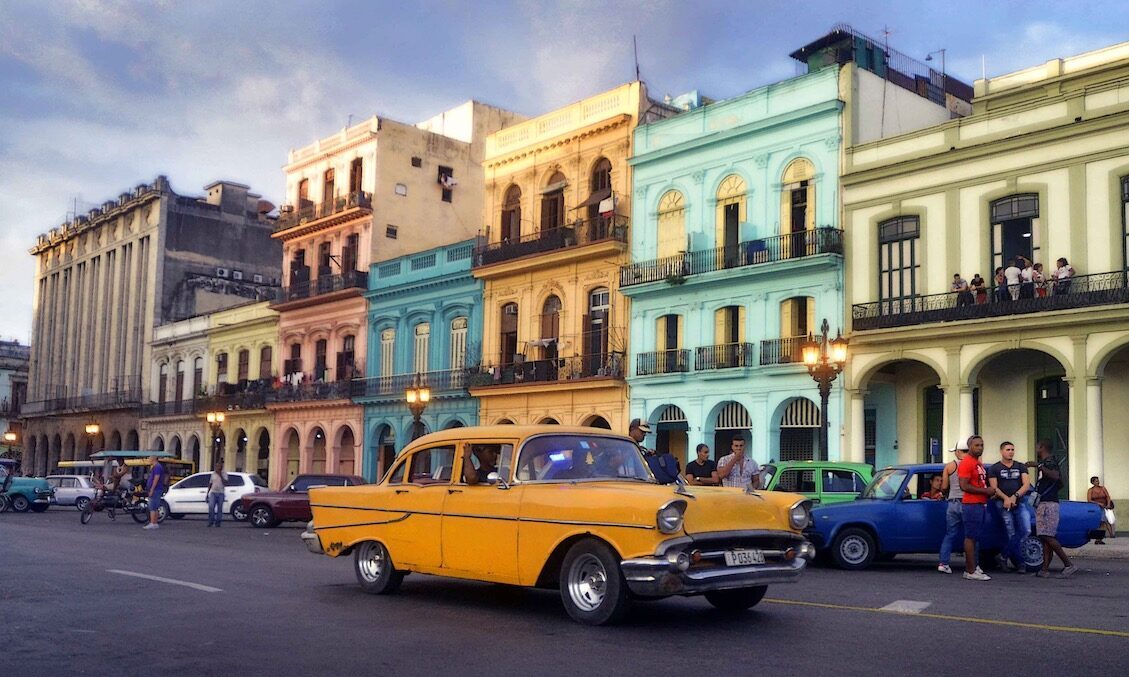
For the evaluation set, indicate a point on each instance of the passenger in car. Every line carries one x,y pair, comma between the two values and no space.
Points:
487,456
934,493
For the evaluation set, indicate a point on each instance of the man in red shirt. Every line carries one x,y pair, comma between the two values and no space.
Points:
974,504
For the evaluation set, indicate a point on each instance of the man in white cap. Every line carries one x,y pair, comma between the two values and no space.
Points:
950,486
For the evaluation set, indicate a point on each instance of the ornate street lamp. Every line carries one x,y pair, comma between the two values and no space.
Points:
215,422
418,395
93,429
824,360
10,438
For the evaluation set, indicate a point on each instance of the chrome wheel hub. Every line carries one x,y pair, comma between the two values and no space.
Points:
587,582
370,561
853,550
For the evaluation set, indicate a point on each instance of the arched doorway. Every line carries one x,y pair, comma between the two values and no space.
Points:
799,430
904,415
317,455
262,456
115,441
293,454
454,423
55,455
731,420
131,441
219,444
1112,468
597,421
176,447
69,448
672,431
159,443
346,459
194,451
240,450
31,457
505,421
385,449
45,455
549,420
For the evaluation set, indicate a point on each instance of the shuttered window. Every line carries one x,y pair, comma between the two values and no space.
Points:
422,345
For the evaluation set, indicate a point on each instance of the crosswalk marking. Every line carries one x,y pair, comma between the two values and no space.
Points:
906,606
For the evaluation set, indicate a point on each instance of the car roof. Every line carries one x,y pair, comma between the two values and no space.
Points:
917,467
819,464
505,430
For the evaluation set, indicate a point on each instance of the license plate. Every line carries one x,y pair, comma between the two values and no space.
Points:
736,558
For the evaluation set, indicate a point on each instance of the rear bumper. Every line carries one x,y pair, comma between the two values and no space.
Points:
310,538
665,575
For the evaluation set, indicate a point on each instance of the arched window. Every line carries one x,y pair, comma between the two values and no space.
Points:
458,342
596,327
197,377
221,368
294,364
321,362
732,211
552,202
600,186
510,228
266,358
507,338
1015,228
243,370
797,207
668,340
672,224
550,327
421,346
898,262
387,354
179,387
346,358
729,325
163,383
797,317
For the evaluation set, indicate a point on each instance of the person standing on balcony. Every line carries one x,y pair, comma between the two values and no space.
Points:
979,288
960,288
1026,277
1012,275
1000,293
1063,276
1039,279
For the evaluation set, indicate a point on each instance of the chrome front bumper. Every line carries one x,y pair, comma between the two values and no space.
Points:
310,538
662,576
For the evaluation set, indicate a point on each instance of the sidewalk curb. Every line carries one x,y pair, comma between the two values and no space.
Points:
1091,551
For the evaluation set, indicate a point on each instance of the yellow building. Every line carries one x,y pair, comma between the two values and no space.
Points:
243,345
557,210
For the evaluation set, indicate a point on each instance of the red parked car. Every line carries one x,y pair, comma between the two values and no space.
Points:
267,508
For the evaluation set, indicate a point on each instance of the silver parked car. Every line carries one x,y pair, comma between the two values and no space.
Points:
76,490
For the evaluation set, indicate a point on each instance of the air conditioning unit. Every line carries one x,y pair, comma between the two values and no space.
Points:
221,272
257,278
237,274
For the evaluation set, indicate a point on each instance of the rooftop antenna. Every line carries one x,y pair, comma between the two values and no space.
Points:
635,47
350,122
886,80
983,67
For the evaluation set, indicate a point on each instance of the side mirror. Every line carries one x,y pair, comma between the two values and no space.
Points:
495,478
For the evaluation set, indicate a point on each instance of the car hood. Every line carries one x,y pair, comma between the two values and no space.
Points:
29,484
726,509
258,495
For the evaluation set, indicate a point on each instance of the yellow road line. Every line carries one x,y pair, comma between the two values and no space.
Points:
945,617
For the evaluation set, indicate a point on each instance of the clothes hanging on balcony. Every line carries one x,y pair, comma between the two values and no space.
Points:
607,206
595,198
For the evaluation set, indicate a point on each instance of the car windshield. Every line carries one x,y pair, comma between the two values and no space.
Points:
885,484
566,458
767,473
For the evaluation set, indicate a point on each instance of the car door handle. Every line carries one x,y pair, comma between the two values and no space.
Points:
401,491
454,491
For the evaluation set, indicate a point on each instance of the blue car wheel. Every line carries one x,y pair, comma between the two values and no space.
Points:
1031,550
854,549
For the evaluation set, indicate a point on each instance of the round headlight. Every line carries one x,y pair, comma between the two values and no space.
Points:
669,518
799,516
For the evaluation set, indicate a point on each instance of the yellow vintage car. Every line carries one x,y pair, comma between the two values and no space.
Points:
556,506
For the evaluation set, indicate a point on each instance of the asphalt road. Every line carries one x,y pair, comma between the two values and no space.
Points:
263,605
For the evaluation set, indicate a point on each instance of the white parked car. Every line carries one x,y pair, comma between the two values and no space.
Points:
76,490
190,495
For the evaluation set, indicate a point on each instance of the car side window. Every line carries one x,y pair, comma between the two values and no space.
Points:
335,481
397,476
68,483
842,482
54,482
501,452
234,480
306,482
198,481
433,466
797,481
258,481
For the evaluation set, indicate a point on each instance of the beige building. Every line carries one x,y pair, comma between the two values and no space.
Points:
558,205
106,279
171,417
1039,170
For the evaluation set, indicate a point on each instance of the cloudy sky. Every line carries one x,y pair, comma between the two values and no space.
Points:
99,95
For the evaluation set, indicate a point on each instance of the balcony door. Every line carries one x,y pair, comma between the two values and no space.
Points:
510,230
596,331
898,265
671,225
731,211
552,203
1015,228
507,339
797,207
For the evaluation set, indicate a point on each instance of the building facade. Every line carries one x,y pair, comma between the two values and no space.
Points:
737,246
14,360
376,190
557,208
425,328
105,280
172,415
1039,170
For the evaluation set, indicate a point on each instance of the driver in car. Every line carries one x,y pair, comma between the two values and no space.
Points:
487,456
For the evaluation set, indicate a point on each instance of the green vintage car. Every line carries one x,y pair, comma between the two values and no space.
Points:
822,481
22,493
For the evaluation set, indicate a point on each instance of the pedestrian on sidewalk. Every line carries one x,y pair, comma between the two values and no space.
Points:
974,503
1008,478
1046,510
216,483
950,485
737,469
1098,494
158,477
702,471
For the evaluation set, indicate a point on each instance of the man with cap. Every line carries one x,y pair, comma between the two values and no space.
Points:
663,466
950,486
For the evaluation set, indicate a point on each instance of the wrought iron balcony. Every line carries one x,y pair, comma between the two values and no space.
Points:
174,408
723,356
788,350
310,212
577,234
662,362
753,252
1082,291
310,391
394,387
325,284
596,365
126,394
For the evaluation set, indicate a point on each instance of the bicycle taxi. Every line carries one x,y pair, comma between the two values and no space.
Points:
112,499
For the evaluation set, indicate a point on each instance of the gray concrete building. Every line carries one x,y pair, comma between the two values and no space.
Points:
103,282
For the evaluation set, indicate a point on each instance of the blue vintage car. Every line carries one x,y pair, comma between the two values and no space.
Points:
889,518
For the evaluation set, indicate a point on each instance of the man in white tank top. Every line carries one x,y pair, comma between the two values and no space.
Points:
950,486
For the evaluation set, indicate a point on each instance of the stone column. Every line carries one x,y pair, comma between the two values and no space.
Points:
967,417
1076,438
1095,442
856,448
